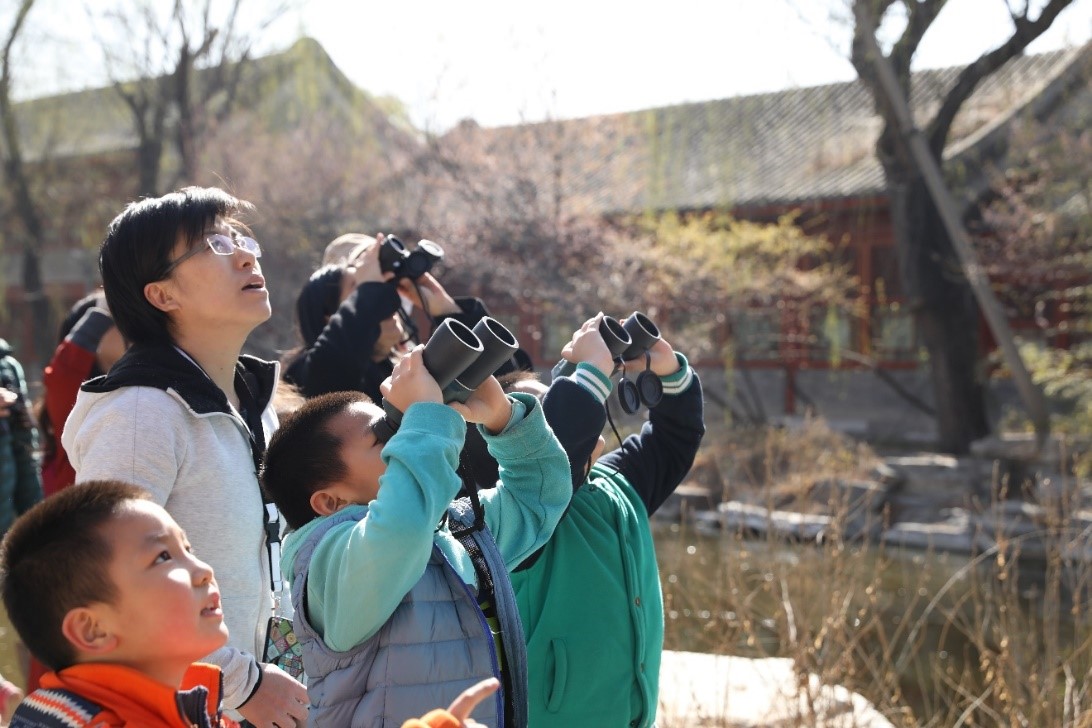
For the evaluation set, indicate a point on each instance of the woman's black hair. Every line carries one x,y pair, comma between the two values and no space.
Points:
318,300
137,251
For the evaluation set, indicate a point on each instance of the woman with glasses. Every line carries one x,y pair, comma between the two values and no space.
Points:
185,415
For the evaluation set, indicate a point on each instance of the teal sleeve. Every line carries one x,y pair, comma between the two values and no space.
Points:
361,570
534,488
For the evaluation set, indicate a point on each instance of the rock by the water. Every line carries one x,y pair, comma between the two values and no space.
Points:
738,692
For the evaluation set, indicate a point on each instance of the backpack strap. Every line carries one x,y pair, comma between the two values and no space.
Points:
54,708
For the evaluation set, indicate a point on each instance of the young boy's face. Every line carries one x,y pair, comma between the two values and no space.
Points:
167,611
359,452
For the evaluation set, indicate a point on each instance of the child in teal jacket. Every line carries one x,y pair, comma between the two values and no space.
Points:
393,608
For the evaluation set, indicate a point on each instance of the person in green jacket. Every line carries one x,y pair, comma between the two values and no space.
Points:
590,599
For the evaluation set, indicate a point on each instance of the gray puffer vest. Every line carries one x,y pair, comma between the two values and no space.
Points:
436,644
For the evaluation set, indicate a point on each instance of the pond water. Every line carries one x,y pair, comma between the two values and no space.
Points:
902,628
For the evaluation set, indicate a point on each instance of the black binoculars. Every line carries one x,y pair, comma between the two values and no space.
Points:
459,359
395,257
626,342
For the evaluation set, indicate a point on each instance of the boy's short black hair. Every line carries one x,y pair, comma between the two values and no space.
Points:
56,558
303,456
137,251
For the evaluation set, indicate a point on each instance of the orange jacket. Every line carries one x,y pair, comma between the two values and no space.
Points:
127,698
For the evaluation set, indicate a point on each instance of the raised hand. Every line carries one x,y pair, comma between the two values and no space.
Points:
663,360
488,406
411,382
587,345
365,267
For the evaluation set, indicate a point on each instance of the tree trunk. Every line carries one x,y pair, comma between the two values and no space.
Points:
34,293
944,309
149,152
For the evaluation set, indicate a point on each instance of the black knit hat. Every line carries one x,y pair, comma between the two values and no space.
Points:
318,300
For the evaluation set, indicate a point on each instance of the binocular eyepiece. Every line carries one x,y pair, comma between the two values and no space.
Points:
459,359
395,257
625,342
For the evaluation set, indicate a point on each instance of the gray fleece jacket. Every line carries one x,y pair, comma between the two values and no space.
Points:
156,420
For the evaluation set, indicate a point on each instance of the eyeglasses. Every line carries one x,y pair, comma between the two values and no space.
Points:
221,245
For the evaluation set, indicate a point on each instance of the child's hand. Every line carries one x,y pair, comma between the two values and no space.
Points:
7,399
411,382
663,360
428,295
10,697
468,700
365,267
488,406
587,346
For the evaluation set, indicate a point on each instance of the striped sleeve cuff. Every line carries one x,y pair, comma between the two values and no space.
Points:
593,380
680,380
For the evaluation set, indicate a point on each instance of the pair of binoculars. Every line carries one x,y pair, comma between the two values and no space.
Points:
395,257
459,359
625,342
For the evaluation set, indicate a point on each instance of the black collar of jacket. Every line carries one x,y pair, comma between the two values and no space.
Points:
163,367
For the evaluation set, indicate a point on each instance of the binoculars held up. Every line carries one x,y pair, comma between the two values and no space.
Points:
626,342
459,359
395,257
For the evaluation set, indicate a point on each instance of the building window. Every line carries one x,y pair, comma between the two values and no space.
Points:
756,335
831,333
894,337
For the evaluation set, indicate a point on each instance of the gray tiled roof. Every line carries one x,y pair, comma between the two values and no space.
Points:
790,146
284,86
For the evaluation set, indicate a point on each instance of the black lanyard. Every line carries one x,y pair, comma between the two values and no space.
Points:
252,416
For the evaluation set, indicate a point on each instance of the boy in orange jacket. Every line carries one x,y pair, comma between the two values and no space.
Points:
101,584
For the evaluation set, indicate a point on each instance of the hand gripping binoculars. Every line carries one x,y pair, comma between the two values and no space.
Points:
626,342
395,257
459,359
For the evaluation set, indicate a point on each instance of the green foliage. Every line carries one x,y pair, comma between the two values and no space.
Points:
1037,237
759,282
715,258
1065,374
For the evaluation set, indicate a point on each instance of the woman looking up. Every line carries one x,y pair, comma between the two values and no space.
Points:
185,415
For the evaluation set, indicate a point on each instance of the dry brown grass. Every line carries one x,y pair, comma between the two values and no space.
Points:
931,639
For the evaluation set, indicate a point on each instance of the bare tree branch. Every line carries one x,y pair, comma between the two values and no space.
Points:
13,162
1025,32
921,14
15,176
188,78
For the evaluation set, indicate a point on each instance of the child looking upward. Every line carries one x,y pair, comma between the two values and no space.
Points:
102,586
402,599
